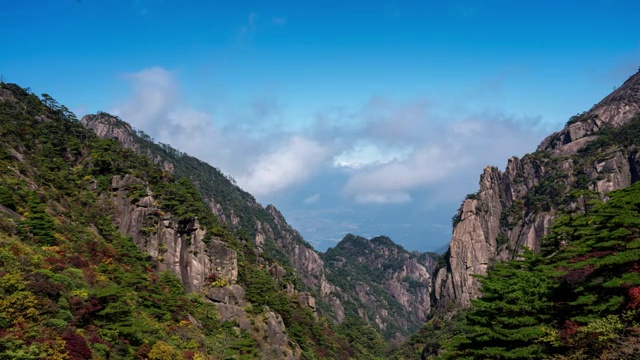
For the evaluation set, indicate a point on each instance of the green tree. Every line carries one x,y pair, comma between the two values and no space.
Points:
505,322
39,224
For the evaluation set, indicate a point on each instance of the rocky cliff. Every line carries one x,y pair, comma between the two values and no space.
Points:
382,282
124,226
594,154
300,268
264,227
399,298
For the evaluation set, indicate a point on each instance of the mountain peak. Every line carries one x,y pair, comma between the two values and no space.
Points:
628,93
109,126
614,110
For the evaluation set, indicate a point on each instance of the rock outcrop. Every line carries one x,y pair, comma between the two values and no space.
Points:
516,208
267,328
382,283
614,110
238,209
176,246
111,127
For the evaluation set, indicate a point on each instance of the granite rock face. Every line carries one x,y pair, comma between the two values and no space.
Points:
516,207
614,110
176,246
382,282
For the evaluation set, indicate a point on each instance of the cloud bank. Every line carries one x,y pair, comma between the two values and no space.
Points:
416,154
389,149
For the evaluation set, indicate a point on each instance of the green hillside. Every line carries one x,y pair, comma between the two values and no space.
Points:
73,287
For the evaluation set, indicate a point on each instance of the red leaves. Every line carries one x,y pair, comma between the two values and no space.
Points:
575,276
591,255
568,329
56,263
78,261
41,285
212,277
77,347
634,297
189,354
143,352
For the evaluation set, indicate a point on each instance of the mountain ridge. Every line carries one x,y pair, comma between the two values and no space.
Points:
516,207
106,254
267,229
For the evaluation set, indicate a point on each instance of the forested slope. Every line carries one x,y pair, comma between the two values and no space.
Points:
96,240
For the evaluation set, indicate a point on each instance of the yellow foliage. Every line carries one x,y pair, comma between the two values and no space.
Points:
53,350
199,356
101,278
220,283
11,283
162,351
19,305
51,248
81,293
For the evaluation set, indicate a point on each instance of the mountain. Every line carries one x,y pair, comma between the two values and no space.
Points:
113,252
263,227
576,299
382,282
395,303
596,153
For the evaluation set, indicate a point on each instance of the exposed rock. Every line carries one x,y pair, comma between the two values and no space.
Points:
224,261
384,283
232,295
267,328
107,126
507,213
6,95
307,300
176,246
614,110
10,213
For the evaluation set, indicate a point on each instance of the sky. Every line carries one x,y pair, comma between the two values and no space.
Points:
364,117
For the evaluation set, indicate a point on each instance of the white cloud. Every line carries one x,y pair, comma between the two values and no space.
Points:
266,163
417,154
437,148
288,165
154,92
383,198
367,154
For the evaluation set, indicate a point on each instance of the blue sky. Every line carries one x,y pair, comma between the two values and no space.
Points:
369,117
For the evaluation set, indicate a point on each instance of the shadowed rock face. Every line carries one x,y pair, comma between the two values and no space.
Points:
363,269
505,214
270,225
176,246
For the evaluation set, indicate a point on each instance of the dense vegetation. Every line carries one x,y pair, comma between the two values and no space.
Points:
73,287
579,298
213,184
357,263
